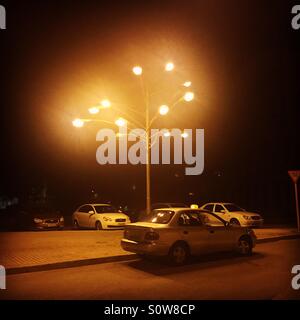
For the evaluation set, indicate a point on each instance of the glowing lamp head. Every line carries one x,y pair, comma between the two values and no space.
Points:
78,123
187,84
93,110
137,70
169,66
184,135
163,110
189,96
105,103
120,122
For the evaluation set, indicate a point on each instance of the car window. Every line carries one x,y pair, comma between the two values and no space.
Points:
161,216
105,209
233,208
212,220
85,209
218,208
190,219
209,207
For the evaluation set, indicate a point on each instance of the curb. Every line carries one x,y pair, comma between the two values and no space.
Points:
278,238
70,264
119,258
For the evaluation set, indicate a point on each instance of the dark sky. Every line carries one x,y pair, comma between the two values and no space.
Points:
60,57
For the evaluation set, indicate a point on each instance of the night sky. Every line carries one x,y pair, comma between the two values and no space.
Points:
58,58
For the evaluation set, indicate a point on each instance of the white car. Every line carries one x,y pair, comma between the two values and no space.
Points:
181,232
99,216
234,214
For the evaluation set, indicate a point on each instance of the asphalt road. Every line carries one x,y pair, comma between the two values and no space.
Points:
265,275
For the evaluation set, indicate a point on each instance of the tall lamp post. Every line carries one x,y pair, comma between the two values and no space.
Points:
162,111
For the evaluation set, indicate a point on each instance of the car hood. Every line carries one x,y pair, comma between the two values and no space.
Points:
50,215
117,215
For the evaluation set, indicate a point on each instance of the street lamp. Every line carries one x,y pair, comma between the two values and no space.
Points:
105,103
137,70
163,110
187,84
189,96
120,122
93,110
169,66
78,123
147,121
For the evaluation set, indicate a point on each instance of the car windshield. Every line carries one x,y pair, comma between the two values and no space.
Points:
161,216
105,209
233,208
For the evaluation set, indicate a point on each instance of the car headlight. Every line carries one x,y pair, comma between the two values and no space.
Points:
107,219
37,220
61,219
247,217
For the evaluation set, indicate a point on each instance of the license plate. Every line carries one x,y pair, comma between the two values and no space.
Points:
50,225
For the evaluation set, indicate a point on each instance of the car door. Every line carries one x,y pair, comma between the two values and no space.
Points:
79,215
193,232
220,211
83,216
220,236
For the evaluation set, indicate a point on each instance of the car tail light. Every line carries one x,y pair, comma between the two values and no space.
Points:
151,235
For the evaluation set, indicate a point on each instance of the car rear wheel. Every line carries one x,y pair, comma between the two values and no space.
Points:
98,225
179,254
235,222
76,225
245,246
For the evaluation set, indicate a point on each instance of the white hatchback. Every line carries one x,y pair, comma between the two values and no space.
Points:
99,216
234,214
181,232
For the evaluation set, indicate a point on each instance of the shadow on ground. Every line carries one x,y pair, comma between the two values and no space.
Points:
161,267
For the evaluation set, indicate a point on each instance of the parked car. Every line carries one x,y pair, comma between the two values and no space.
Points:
234,214
179,233
160,205
46,220
99,216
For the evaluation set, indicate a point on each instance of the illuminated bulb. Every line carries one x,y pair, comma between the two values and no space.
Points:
93,110
163,110
184,135
105,103
137,70
120,122
78,123
169,66
187,84
189,96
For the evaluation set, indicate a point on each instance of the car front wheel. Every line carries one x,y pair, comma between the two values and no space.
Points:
245,246
235,222
76,225
98,225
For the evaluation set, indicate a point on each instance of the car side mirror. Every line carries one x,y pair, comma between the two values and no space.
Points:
91,212
222,211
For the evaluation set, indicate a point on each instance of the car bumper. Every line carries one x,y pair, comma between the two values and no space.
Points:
253,223
45,225
148,248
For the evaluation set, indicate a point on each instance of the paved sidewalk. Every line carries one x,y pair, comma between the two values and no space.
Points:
28,251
